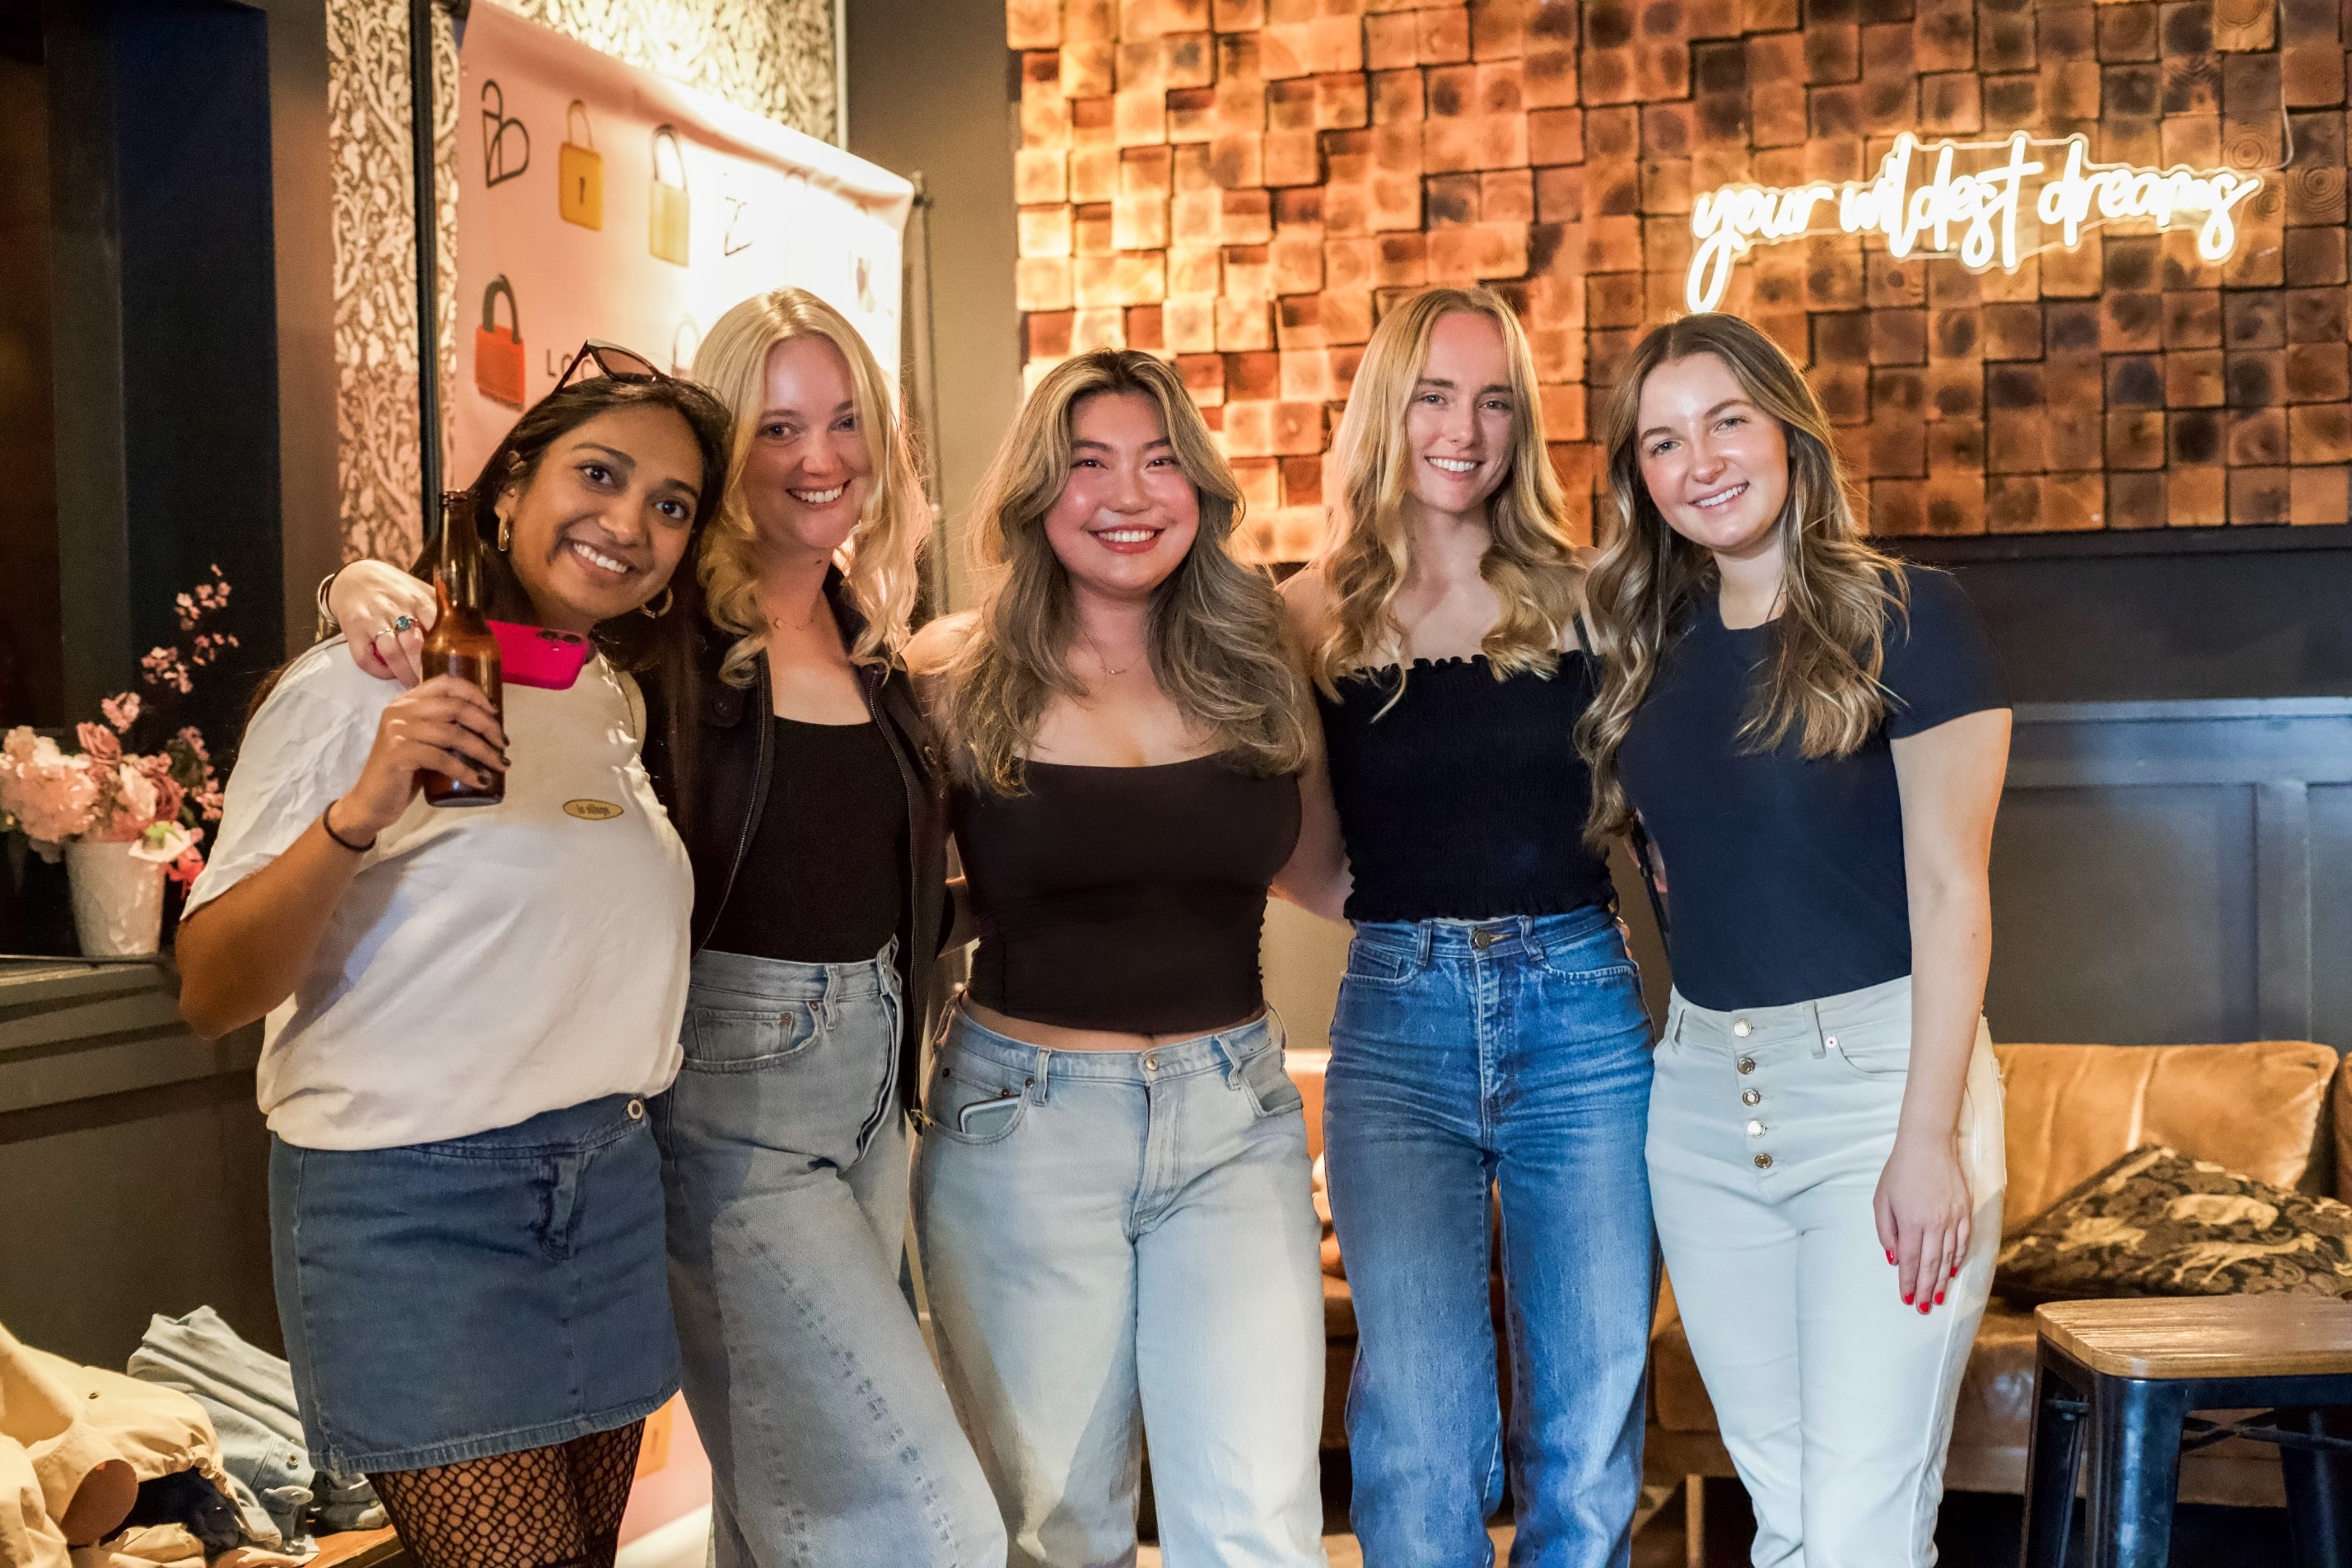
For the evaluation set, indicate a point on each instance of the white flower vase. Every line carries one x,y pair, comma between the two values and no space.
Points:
117,900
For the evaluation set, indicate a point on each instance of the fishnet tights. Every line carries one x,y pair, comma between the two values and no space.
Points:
558,1507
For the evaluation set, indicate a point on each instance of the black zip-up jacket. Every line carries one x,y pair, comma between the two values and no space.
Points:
731,767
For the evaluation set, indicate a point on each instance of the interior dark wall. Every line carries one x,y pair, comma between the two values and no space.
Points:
2262,613
166,336
928,96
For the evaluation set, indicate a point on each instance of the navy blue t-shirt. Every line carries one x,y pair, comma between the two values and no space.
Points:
1784,875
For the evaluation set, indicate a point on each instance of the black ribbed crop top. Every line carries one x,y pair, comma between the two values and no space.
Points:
1126,899
1467,799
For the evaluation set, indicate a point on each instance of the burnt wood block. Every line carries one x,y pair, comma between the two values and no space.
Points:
2257,264
1290,105
1302,481
1261,483
2255,437
1834,111
2192,378
1297,261
2318,373
1832,273
2185,28
2012,387
1204,376
1844,392
1445,36
2318,496
1841,338
2136,500
1613,133
2320,433
1899,447
1956,334
1089,70
1243,324
2127,32
1306,372
1605,354
1831,52
2136,439
1898,337
2013,503
2014,100
2072,326
2130,322
1045,335
2193,437
1666,130
1398,95
1951,104
2313,74
1040,176
1944,36
2016,288
1507,195
2070,86
1556,136
1768,15
2075,273
2004,40
1898,389
1450,199
1956,503
1346,316
2192,319
1563,412
1390,41
1094,174
2135,381
1189,325
2011,332
2192,138
1348,263
2191,84
1401,260
2254,379
1899,508
2260,496
2243,25
2314,257
1613,244
2017,441
1613,300
2071,502
2132,91
1892,284
2255,318
1560,197
1238,162
1956,446
1144,329
2196,498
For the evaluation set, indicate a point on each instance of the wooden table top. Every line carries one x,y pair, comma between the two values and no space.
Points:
2277,1335
354,1548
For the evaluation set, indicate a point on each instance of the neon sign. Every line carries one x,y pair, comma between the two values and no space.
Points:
1971,217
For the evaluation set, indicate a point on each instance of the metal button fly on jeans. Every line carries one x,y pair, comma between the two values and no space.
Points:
637,1109
1756,1130
1830,1042
1152,1064
1481,939
1763,1161
1741,1028
1750,1095
1748,1064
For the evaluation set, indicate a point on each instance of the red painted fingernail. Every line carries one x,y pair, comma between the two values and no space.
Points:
1939,1298
1955,1271
1906,1300
1890,1254
1923,1309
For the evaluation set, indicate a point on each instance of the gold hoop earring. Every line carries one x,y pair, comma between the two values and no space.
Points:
506,535
669,597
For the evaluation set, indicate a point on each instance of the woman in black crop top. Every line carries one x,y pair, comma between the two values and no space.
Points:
1112,1194
1489,1033
800,779
1814,736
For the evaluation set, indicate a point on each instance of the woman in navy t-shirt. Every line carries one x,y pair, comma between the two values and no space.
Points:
1814,737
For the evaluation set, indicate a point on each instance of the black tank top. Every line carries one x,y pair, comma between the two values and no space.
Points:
1467,799
1126,899
825,878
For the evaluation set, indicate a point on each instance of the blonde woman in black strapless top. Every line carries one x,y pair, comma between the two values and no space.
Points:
1112,1192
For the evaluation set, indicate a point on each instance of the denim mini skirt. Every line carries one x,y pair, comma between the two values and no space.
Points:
450,1302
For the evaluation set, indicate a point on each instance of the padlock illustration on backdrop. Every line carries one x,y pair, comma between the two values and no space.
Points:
580,173
672,210
498,364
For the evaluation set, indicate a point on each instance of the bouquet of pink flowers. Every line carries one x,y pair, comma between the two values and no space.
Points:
158,801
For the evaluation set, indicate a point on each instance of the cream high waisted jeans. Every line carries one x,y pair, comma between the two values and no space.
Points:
1769,1127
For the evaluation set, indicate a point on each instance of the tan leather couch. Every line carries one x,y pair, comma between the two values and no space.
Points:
2279,1109
2265,1109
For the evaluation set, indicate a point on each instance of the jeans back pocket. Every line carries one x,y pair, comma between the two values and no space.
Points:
730,1039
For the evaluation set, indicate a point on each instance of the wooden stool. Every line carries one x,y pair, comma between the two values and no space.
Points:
2132,1371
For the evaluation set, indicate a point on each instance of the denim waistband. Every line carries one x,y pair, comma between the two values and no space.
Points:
1506,936
589,1124
786,980
1223,1052
1812,1026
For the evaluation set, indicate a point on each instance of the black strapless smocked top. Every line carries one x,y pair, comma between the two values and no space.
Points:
1467,799
1127,899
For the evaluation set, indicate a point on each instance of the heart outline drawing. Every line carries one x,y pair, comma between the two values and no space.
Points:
495,128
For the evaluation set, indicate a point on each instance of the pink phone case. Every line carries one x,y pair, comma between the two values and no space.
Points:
539,655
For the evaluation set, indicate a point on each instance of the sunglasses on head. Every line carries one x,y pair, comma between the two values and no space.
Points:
608,360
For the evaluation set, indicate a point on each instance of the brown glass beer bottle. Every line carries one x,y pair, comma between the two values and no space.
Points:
461,643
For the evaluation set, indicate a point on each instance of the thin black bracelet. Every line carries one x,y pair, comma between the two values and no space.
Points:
326,822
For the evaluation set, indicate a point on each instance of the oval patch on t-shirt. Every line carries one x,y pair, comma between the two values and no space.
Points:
592,810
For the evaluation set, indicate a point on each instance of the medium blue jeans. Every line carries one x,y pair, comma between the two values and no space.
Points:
1511,1055
784,1152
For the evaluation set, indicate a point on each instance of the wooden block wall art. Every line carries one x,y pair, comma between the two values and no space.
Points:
1243,185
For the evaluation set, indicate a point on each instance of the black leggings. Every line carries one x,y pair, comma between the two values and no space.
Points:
557,1507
